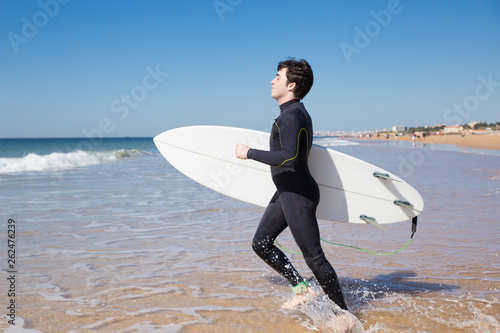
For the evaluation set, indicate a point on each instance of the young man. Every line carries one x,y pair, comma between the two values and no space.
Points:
297,196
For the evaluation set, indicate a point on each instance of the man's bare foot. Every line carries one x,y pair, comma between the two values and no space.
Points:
300,298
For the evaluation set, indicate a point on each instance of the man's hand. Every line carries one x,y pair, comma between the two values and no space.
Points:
242,151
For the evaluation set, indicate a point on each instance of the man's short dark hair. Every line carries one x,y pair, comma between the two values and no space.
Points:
299,72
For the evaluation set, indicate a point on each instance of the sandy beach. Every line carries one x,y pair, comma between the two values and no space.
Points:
481,141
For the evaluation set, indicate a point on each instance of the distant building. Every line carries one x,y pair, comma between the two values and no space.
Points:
472,124
453,129
398,128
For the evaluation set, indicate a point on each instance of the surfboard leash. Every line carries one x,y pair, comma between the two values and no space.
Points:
413,231
349,246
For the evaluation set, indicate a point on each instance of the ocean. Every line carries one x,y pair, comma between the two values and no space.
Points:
106,236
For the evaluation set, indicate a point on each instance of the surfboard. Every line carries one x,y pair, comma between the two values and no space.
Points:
351,190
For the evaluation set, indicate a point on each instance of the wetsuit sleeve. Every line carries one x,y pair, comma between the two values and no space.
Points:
290,128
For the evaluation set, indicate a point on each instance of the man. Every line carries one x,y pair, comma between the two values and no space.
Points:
297,196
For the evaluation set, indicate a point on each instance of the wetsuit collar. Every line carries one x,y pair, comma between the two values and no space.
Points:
284,105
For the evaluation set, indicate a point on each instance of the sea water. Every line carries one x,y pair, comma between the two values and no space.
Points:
110,238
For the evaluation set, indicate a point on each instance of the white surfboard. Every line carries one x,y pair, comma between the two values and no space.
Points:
351,190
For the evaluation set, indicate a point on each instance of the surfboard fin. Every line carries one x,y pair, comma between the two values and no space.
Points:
371,220
384,176
405,204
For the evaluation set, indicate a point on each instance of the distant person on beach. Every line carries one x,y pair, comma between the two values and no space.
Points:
297,196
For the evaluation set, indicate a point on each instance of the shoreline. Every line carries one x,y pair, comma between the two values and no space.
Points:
481,141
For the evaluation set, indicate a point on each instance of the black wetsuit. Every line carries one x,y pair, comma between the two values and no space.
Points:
295,201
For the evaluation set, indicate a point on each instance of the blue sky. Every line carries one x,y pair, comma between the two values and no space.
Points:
74,68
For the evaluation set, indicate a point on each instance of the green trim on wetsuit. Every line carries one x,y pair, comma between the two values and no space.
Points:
298,144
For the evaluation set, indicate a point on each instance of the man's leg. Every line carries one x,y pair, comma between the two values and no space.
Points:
273,222
301,216
271,225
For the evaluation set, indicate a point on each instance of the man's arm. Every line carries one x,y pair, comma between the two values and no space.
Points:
290,127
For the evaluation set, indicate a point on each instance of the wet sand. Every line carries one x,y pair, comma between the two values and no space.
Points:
481,141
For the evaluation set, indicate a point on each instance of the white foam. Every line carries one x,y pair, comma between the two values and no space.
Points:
334,142
63,161
19,327
147,327
328,317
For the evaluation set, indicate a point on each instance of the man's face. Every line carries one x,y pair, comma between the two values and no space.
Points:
280,86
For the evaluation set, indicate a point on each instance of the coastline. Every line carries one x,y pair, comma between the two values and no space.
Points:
481,141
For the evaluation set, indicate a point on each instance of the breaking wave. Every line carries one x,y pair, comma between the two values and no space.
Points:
63,161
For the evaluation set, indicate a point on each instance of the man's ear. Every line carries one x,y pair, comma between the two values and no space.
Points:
292,86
